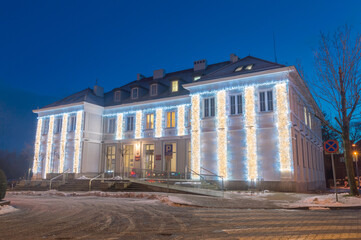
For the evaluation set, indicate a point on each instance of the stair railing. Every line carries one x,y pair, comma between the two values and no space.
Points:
91,180
215,175
63,174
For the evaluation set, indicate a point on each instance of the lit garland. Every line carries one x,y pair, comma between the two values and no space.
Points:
222,133
283,126
180,126
251,138
49,146
37,146
158,123
138,124
58,115
119,135
63,142
77,139
195,137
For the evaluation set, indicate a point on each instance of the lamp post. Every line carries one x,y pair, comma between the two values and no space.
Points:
356,160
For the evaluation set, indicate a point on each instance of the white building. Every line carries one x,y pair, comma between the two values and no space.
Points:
246,120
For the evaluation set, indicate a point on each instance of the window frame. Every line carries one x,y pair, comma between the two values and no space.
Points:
149,125
268,107
117,96
111,127
45,127
58,122
238,107
171,121
172,86
151,89
211,111
71,123
132,93
131,128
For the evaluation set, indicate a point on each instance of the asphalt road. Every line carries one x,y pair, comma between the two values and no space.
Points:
56,217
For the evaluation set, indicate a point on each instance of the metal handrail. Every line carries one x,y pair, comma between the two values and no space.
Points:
91,180
215,175
51,180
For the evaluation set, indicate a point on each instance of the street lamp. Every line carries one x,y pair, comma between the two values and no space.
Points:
356,160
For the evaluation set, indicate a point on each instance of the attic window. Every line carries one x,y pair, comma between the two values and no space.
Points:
249,67
196,78
117,96
135,93
238,69
175,86
153,89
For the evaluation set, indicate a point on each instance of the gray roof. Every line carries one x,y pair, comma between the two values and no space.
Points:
213,71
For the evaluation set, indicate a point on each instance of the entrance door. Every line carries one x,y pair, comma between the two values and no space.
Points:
149,156
171,163
128,158
110,159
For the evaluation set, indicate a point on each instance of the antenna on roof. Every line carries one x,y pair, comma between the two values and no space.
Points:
274,47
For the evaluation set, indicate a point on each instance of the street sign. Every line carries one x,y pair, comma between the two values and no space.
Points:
168,150
331,146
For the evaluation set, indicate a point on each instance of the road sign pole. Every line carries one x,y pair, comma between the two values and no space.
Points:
334,176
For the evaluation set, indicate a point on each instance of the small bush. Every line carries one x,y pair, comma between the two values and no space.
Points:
3,184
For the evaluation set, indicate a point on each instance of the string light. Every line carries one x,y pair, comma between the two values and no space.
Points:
37,146
138,124
195,137
49,146
147,110
158,122
63,142
283,127
77,140
222,133
119,135
251,138
180,124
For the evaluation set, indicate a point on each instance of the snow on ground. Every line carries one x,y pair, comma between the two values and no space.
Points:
329,200
7,209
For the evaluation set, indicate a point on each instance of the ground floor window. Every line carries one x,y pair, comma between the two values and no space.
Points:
110,159
149,156
128,157
171,163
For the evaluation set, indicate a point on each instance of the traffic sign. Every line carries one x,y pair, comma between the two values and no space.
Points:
331,146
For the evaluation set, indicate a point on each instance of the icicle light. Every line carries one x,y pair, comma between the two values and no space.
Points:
283,126
37,146
138,124
77,141
158,122
49,146
63,142
119,135
195,137
222,133
251,138
180,121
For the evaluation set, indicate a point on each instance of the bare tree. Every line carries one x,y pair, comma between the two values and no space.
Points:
337,61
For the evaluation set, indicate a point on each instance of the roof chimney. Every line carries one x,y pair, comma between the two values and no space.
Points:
234,58
158,73
200,65
139,76
98,91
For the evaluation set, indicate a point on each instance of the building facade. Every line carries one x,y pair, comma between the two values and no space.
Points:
247,120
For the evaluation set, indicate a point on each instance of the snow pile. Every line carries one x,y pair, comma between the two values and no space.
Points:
7,209
329,200
83,177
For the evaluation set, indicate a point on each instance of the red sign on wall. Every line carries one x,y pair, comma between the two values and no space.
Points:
137,158
158,157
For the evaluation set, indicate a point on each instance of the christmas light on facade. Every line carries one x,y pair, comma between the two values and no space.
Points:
158,122
49,147
283,127
180,122
138,124
119,135
63,143
251,138
195,137
222,134
37,146
77,141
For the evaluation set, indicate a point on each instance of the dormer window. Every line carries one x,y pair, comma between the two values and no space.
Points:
175,86
238,69
196,78
117,96
153,89
135,93
249,67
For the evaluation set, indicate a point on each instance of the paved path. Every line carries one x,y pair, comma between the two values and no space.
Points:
56,217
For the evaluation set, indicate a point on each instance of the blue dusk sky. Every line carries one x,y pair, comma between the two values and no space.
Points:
51,49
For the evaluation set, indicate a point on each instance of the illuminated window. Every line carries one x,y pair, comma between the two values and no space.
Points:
58,124
236,104
266,104
72,124
117,96
170,119
249,67
305,114
130,123
196,78
175,86
150,121
238,69
45,127
110,159
209,107
111,125
153,89
135,93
